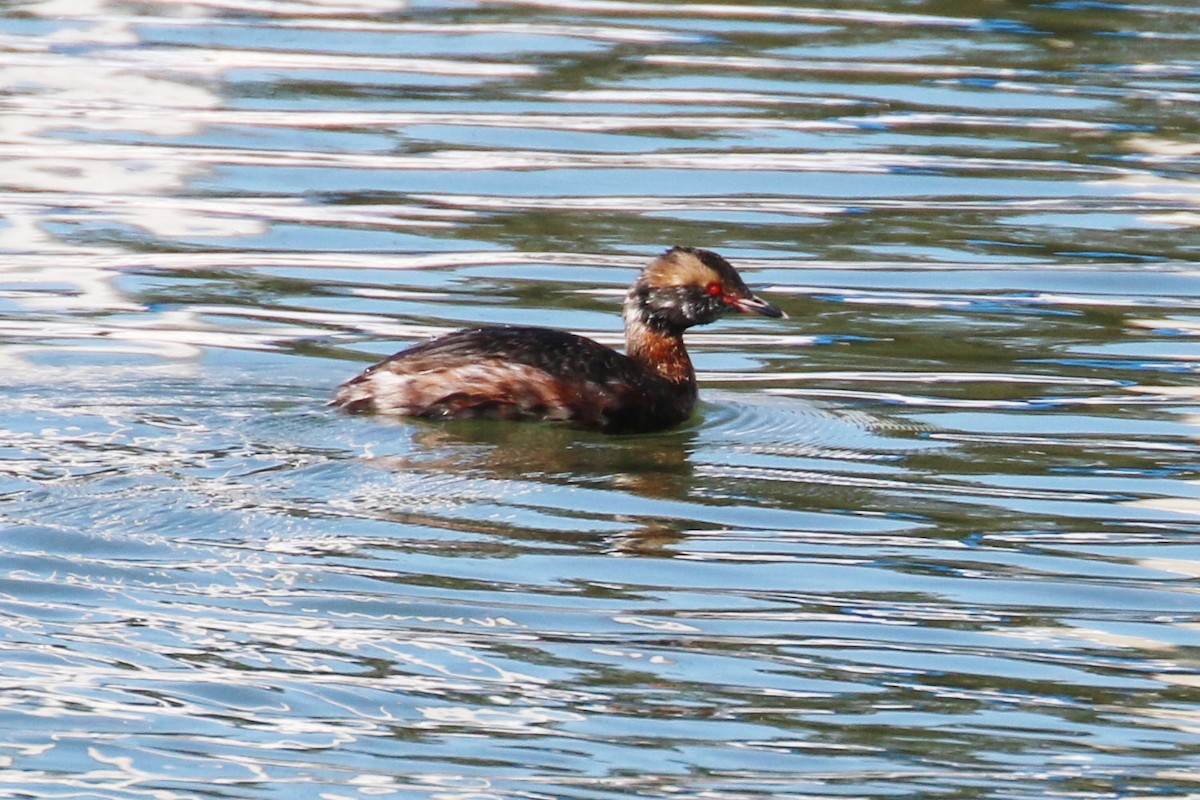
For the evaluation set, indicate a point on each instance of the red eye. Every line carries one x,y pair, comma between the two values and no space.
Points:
715,288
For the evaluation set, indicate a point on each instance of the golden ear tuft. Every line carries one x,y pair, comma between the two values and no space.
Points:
679,267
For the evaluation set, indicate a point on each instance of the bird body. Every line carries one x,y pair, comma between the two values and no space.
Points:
521,372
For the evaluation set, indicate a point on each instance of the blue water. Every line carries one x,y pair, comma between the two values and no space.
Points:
937,534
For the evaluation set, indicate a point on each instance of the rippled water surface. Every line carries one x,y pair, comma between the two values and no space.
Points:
935,535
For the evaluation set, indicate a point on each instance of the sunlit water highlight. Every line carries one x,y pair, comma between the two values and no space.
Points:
935,535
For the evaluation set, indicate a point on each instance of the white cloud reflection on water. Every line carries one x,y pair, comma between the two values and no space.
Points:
56,180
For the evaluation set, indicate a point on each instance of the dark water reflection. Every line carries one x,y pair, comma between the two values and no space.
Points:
934,535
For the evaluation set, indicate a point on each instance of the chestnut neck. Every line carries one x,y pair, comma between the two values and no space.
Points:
660,352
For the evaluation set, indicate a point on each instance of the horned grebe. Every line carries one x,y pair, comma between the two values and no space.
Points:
518,373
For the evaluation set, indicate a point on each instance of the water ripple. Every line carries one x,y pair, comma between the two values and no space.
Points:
935,534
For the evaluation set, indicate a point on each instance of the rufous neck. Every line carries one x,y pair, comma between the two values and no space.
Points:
660,352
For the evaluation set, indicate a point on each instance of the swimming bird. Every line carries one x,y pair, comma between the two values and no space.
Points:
532,373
